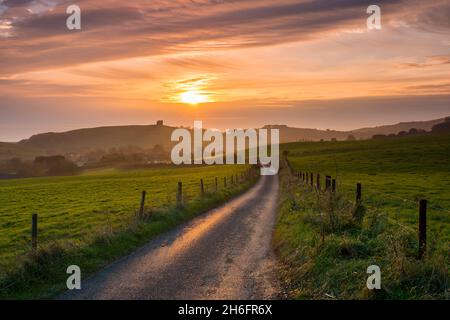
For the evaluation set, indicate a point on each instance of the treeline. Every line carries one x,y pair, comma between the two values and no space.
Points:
127,155
441,128
74,163
41,166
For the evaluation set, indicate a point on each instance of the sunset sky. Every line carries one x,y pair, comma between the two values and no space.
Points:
230,63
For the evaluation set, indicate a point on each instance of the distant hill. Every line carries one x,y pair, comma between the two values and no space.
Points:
147,136
366,133
289,134
82,140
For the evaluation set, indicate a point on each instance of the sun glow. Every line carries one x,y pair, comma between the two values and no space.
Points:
193,97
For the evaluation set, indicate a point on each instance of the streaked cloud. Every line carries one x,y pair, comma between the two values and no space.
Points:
156,27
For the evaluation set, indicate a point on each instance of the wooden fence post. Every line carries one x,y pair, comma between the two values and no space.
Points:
318,182
141,208
333,185
358,192
327,183
422,227
180,194
202,187
34,231
312,180
307,178
217,184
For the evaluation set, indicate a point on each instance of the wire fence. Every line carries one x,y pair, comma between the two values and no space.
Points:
373,200
42,235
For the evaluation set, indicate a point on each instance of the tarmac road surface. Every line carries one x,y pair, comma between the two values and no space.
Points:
225,253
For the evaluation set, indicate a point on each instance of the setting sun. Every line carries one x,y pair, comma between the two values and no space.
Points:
193,97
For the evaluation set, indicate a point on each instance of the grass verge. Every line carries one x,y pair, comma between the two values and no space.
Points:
42,275
326,244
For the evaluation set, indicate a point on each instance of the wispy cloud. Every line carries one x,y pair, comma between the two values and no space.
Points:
156,27
426,62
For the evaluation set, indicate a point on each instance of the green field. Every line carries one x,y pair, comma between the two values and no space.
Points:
394,173
78,214
326,241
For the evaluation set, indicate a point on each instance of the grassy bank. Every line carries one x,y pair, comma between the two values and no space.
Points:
395,173
326,242
91,220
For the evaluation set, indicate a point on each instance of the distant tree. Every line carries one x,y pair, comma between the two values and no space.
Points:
402,133
55,165
442,128
333,139
378,136
50,161
351,137
113,158
158,153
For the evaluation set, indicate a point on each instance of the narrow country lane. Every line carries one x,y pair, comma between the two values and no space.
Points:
223,254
